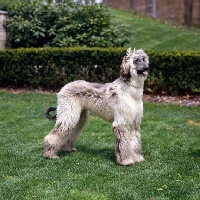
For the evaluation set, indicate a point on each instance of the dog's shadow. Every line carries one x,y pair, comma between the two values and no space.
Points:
105,153
196,153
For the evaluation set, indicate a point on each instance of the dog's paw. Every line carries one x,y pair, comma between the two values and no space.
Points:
68,148
127,162
54,157
50,156
139,158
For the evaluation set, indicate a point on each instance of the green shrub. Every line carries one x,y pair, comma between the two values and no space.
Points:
51,68
32,23
174,72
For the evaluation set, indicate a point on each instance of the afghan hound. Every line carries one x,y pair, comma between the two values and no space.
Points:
119,102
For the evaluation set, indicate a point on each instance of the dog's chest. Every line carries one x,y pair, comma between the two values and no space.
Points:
131,106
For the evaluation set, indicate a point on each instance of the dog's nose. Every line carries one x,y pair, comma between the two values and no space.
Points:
146,67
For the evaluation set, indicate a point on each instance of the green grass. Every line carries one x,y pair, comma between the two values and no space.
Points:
4,4
150,34
170,137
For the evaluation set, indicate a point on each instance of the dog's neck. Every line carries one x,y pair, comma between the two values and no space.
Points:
136,89
133,88
135,82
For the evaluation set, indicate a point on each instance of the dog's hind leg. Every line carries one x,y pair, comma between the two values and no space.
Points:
53,143
68,117
69,145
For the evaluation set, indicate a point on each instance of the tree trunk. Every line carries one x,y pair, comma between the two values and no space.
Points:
188,12
133,4
150,7
198,23
154,8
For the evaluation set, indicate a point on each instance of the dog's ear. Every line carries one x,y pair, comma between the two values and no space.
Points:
125,72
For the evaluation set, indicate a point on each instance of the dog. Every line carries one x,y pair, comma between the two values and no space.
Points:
119,102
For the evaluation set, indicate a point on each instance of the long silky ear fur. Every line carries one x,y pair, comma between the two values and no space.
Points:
125,74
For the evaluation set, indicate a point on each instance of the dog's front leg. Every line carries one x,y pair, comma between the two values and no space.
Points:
136,146
123,148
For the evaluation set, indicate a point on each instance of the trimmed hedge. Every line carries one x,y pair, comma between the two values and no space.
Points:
51,68
174,72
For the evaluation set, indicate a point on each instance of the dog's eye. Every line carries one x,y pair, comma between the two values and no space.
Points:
137,60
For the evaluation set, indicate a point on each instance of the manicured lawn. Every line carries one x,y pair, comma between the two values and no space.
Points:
171,147
150,34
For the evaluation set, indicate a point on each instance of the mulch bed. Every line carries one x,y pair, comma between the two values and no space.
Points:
188,100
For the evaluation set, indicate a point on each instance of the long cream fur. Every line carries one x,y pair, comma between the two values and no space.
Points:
119,102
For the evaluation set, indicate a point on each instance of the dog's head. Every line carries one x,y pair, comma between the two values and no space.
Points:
134,65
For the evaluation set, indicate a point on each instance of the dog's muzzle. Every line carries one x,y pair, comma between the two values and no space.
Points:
143,69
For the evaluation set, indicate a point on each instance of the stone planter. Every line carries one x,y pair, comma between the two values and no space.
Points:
2,30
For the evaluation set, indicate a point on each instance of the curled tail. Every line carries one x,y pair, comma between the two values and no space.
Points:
48,116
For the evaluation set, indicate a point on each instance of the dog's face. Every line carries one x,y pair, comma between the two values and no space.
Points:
140,62
134,65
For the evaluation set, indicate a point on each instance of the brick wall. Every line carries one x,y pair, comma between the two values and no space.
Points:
170,10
